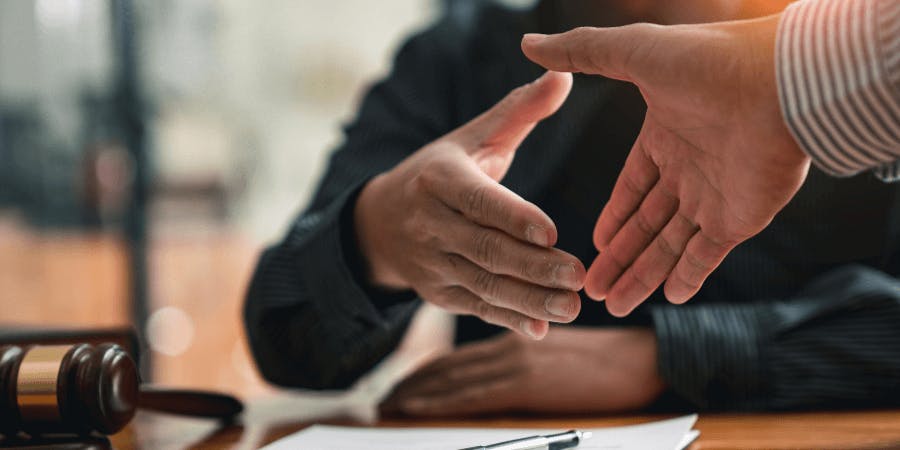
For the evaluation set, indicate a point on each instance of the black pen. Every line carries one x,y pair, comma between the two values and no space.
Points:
559,441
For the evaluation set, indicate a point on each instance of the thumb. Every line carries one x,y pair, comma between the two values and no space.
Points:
596,51
493,137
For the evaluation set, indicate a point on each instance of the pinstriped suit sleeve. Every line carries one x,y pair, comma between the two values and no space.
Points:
838,75
835,344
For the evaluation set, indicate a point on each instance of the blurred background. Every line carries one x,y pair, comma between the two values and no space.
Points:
149,149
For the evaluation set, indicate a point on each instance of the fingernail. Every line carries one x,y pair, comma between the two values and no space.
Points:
528,328
534,37
537,235
559,305
565,276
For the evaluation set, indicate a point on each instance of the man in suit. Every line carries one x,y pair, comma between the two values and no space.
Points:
410,210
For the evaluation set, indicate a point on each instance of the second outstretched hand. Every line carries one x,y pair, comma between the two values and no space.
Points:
713,163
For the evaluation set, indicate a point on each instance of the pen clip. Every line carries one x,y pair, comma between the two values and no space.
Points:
558,441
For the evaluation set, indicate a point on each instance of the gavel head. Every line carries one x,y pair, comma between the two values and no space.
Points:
66,389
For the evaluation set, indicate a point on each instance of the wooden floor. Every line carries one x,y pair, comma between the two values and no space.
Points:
78,280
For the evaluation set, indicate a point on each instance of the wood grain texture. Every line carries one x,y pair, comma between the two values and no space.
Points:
812,430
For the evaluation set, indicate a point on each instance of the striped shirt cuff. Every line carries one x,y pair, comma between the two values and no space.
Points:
838,74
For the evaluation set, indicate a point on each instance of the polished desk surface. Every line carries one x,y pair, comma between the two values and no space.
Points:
813,430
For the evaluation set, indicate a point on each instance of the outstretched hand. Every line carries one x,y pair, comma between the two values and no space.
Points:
441,224
712,165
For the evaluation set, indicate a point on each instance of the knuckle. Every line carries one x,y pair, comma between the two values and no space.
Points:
487,285
525,268
533,301
416,221
440,298
422,234
502,211
616,261
488,247
666,247
476,201
432,175
688,283
631,186
453,261
695,262
641,223
514,97
452,300
686,220
619,212
485,311
419,183
581,33
423,181
721,242
640,27
641,279
580,48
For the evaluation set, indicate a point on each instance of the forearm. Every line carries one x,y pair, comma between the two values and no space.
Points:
310,320
839,83
836,344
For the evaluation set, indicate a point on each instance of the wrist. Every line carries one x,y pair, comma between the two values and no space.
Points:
368,225
760,38
643,349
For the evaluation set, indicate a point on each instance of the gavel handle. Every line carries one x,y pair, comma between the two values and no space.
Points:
186,402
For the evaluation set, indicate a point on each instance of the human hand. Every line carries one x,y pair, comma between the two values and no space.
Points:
573,370
712,165
440,223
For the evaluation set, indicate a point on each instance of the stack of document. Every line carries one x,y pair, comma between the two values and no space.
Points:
674,434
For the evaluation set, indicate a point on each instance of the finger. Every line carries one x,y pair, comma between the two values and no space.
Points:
496,395
507,292
651,268
642,227
500,254
459,300
455,377
476,196
638,176
599,51
470,353
503,127
701,257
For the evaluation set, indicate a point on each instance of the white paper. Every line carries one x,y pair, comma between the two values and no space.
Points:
689,438
663,435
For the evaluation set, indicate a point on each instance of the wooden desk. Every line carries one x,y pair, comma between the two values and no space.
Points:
820,430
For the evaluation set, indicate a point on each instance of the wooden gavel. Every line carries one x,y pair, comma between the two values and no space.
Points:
83,389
